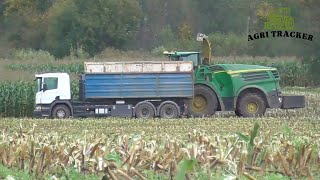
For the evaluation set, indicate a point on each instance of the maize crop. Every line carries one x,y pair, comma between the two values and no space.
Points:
292,73
75,68
17,98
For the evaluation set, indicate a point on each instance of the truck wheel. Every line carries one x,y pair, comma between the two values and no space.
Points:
169,111
61,112
204,102
251,105
145,111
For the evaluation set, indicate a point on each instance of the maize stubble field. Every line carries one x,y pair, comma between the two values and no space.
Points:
282,145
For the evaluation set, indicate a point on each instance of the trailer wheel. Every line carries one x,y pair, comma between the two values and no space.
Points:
204,102
169,111
61,112
251,105
145,111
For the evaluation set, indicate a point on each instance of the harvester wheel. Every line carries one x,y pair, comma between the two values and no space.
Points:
251,105
61,112
204,102
145,111
237,113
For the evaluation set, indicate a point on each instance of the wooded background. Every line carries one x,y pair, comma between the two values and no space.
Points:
61,26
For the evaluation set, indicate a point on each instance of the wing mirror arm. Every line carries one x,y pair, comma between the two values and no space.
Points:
44,87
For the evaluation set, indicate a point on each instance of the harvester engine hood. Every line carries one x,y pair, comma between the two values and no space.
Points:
244,67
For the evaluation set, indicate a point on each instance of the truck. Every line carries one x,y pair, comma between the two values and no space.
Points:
188,83
126,89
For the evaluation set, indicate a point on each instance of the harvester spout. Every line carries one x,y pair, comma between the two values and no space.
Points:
206,48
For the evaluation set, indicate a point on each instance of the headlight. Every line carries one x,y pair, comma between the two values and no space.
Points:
38,107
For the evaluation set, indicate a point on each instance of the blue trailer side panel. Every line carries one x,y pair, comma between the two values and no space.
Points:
146,85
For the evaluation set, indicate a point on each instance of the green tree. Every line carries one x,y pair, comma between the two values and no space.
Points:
166,37
25,22
2,8
159,14
91,26
223,16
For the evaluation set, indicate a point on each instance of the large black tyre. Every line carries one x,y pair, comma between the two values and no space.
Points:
169,111
237,113
61,112
145,111
204,102
251,105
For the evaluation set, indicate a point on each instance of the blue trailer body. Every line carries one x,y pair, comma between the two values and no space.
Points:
138,85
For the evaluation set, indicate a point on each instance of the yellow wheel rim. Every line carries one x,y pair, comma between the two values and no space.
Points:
199,103
252,107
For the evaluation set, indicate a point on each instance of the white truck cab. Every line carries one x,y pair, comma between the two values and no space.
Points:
51,87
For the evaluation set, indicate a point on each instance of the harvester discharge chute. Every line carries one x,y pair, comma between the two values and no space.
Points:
206,48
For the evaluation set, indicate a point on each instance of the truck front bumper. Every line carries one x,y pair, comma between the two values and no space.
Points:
41,111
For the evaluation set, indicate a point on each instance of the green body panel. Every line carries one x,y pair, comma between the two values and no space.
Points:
235,72
236,67
229,80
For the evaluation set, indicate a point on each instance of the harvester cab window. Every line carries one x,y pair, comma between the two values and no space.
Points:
176,58
51,82
193,58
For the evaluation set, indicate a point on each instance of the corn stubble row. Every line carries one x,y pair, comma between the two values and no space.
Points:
198,156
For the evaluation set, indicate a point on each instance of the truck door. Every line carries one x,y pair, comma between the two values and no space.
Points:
49,90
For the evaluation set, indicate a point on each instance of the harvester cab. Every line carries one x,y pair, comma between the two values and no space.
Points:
198,58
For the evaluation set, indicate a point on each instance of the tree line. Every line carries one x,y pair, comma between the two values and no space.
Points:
61,26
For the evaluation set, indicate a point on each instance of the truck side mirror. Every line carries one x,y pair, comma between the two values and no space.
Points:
45,87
